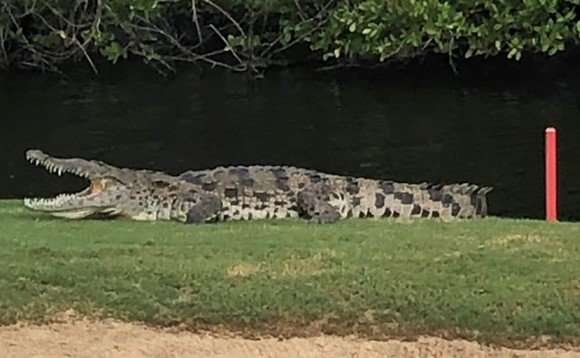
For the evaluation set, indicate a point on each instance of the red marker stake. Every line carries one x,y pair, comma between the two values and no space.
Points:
551,176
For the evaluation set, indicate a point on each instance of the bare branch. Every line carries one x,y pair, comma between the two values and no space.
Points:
299,39
196,22
228,16
84,51
301,12
189,55
229,47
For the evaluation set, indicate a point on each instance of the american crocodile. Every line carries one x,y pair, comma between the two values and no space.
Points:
248,192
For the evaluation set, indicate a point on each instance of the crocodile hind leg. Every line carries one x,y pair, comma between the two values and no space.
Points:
314,204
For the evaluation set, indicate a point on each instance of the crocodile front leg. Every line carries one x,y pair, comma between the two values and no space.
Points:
206,210
314,204
197,208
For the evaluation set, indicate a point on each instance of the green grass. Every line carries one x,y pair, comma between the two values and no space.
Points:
492,279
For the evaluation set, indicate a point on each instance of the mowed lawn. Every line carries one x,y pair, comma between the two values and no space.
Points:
491,278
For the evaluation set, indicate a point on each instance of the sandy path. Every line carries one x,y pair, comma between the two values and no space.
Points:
114,339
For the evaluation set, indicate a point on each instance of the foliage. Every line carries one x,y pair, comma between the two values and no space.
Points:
496,279
252,34
408,28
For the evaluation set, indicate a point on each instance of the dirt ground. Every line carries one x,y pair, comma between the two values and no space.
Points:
111,339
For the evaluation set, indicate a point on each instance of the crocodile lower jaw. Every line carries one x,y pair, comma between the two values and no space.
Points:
53,204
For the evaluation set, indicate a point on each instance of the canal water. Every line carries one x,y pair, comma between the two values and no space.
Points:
419,123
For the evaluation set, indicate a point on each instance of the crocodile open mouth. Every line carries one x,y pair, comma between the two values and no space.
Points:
65,201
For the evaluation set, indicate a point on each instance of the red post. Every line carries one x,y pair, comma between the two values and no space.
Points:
551,175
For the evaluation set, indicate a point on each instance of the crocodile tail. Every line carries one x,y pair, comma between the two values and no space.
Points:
430,200
471,198
481,200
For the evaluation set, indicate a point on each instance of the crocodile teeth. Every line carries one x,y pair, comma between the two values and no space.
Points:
44,202
52,167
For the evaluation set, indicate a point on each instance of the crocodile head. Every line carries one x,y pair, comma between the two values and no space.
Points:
112,191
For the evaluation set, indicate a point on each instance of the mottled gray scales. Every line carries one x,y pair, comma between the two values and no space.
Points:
247,193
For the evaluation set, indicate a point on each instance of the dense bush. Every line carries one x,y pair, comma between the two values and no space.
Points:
406,28
252,34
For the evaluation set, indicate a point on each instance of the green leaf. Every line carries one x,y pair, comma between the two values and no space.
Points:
114,51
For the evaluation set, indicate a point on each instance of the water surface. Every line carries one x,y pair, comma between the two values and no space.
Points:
413,125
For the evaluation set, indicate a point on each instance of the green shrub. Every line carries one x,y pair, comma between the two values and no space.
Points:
251,34
408,28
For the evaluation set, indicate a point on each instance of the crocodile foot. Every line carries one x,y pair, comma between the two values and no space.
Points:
204,211
314,206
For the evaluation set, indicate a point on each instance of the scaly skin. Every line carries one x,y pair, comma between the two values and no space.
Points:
249,192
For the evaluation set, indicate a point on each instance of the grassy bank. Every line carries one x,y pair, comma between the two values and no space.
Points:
493,278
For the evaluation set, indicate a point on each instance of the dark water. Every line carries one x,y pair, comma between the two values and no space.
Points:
483,126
